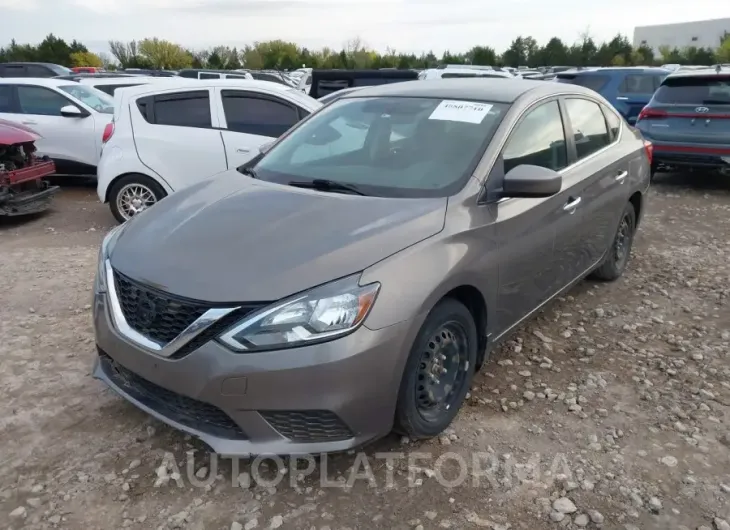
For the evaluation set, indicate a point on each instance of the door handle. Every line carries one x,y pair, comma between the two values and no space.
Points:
571,205
243,150
29,122
621,176
622,98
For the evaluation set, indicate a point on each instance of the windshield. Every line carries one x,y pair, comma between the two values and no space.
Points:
96,99
387,146
695,90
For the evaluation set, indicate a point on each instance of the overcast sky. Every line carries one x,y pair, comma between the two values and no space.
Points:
406,25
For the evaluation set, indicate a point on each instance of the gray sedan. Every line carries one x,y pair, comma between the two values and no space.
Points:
352,278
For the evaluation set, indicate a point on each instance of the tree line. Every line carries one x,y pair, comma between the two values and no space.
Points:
278,54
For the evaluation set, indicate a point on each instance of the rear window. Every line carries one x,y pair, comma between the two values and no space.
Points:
695,91
639,84
594,82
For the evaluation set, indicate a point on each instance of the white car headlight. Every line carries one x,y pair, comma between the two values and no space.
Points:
107,244
323,313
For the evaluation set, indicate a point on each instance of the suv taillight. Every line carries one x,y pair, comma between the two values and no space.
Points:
648,112
649,148
108,132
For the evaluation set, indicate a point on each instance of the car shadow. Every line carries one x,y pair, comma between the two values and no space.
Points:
695,180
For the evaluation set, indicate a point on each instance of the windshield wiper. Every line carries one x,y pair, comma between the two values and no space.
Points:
251,172
327,185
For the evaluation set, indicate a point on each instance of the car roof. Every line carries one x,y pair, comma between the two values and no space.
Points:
42,81
701,72
132,80
497,90
616,69
171,83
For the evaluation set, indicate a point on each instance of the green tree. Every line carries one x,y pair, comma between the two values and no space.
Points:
643,55
722,55
516,54
555,53
164,54
481,55
127,54
86,59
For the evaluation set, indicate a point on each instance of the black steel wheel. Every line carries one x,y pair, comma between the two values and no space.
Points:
438,372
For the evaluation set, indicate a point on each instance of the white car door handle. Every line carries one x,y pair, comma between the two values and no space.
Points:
571,205
243,150
621,176
29,122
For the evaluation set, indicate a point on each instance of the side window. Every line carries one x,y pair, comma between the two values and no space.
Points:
638,84
14,70
35,70
40,101
658,80
614,122
538,140
253,115
6,98
208,75
184,109
589,126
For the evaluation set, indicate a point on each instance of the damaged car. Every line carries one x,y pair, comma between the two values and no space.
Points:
23,189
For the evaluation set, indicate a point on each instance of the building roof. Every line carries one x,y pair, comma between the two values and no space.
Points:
476,89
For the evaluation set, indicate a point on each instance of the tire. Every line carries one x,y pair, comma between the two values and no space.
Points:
146,188
451,322
616,260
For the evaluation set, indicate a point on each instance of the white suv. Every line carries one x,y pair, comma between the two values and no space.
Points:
70,118
167,136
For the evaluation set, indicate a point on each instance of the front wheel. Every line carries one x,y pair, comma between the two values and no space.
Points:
438,372
618,255
133,194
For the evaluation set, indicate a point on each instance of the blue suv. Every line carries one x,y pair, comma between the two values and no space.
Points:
627,89
688,120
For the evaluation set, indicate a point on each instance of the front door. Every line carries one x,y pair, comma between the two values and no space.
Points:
251,119
527,228
71,142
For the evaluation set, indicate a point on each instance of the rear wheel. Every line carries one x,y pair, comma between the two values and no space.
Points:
618,255
438,372
133,194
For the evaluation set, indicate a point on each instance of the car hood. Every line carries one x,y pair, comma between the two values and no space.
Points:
231,238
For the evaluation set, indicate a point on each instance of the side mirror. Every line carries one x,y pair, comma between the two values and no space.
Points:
531,182
72,111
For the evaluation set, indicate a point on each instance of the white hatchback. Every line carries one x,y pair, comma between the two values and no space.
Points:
167,136
69,116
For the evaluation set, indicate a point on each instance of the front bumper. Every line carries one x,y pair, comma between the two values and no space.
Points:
326,397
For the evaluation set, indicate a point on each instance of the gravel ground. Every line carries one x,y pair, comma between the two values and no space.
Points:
609,410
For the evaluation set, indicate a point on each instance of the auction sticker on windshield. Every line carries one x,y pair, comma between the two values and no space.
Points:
464,111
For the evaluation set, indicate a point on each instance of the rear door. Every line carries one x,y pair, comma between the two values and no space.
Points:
251,119
175,136
691,111
634,93
602,168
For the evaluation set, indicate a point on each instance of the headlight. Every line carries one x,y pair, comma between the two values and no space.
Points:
107,245
324,313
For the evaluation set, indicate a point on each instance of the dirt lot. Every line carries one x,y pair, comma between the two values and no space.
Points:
610,410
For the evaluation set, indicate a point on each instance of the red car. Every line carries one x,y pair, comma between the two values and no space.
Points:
22,188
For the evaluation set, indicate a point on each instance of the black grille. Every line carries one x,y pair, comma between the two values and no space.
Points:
161,316
181,409
153,313
308,426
